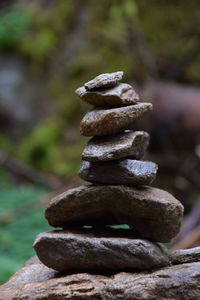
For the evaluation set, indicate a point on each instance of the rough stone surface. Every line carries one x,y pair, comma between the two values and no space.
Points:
86,250
100,121
104,81
185,255
37,282
153,213
122,171
131,144
122,94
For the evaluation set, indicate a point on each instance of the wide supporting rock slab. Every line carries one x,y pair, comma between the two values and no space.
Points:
100,121
105,80
122,94
86,250
131,144
154,214
37,282
122,171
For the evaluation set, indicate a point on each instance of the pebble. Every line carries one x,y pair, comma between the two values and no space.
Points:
105,80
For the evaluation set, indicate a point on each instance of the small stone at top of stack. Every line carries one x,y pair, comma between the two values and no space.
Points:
112,156
106,80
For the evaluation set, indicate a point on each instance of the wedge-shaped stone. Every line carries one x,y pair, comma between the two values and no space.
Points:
104,81
122,171
85,250
100,121
121,95
131,144
153,213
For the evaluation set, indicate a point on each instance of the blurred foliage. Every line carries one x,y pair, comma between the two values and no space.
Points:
170,29
23,220
14,24
36,149
46,29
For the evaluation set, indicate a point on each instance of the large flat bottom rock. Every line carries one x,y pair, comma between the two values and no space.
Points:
37,282
87,250
153,213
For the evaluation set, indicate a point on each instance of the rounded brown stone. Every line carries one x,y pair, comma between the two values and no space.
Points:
153,213
100,121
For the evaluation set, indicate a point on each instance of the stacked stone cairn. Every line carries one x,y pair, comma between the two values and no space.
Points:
119,193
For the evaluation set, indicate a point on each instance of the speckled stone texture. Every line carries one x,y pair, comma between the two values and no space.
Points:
153,213
37,282
185,255
105,80
86,250
122,171
122,94
100,121
131,144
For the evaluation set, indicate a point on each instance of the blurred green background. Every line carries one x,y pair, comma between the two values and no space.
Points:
48,49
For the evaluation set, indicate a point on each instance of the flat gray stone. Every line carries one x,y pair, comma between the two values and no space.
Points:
100,121
130,144
122,171
35,281
122,94
104,80
153,213
84,250
185,255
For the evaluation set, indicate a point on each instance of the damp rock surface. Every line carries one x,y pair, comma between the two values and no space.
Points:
153,213
131,144
122,94
101,121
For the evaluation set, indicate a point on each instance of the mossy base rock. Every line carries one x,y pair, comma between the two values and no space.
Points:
100,121
83,250
105,80
153,213
38,282
130,144
122,94
123,171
